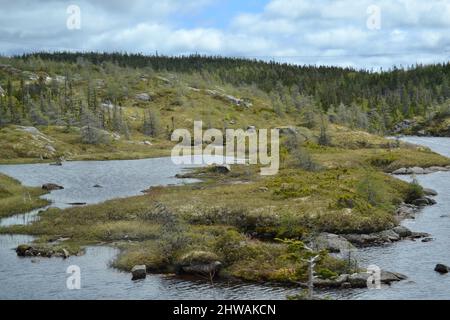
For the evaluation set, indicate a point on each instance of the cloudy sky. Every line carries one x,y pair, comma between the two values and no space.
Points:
358,33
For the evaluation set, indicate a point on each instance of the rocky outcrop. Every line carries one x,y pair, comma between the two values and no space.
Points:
424,201
383,237
147,143
108,105
441,268
143,97
10,69
35,144
338,282
357,280
31,130
25,250
287,131
419,235
404,125
430,192
139,272
406,211
402,231
419,170
333,243
52,187
199,263
390,277
221,169
234,100
212,268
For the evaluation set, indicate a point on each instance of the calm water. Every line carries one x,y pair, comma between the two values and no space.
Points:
25,278
118,179
417,259
39,278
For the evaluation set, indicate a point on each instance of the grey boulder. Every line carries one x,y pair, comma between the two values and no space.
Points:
52,187
430,192
402,231
331,242
143,97
441,268
139,272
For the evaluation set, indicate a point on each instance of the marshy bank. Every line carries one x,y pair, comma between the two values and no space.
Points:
416,259
240,212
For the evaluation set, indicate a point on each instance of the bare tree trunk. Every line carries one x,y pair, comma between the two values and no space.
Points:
310,279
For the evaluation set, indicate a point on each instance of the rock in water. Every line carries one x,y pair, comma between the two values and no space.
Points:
430,192
402,231
359,280
22,250
52,187
422,202
419,235
441,268
389,236
389,277
139,272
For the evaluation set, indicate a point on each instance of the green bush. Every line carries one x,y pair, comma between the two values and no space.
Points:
325,273
345,201
383,161
198,257
414,191
228,246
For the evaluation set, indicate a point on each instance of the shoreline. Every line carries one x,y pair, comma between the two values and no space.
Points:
375,240
238,279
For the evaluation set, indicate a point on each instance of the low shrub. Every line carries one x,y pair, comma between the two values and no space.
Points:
414,191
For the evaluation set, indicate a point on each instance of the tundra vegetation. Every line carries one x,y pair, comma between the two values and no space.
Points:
15,198
334,160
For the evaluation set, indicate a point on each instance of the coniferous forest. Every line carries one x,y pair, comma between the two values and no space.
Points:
374,101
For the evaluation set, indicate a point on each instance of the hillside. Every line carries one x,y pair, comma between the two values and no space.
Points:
116,106
332,175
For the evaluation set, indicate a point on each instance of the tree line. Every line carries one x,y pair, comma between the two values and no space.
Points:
372,101
403,92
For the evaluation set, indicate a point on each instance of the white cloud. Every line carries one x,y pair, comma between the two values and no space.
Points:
296,31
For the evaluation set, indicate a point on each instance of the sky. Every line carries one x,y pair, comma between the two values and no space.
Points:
369,34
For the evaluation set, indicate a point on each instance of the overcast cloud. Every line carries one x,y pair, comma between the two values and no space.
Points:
296,31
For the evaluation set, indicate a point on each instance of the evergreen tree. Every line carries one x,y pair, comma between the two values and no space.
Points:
151,124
